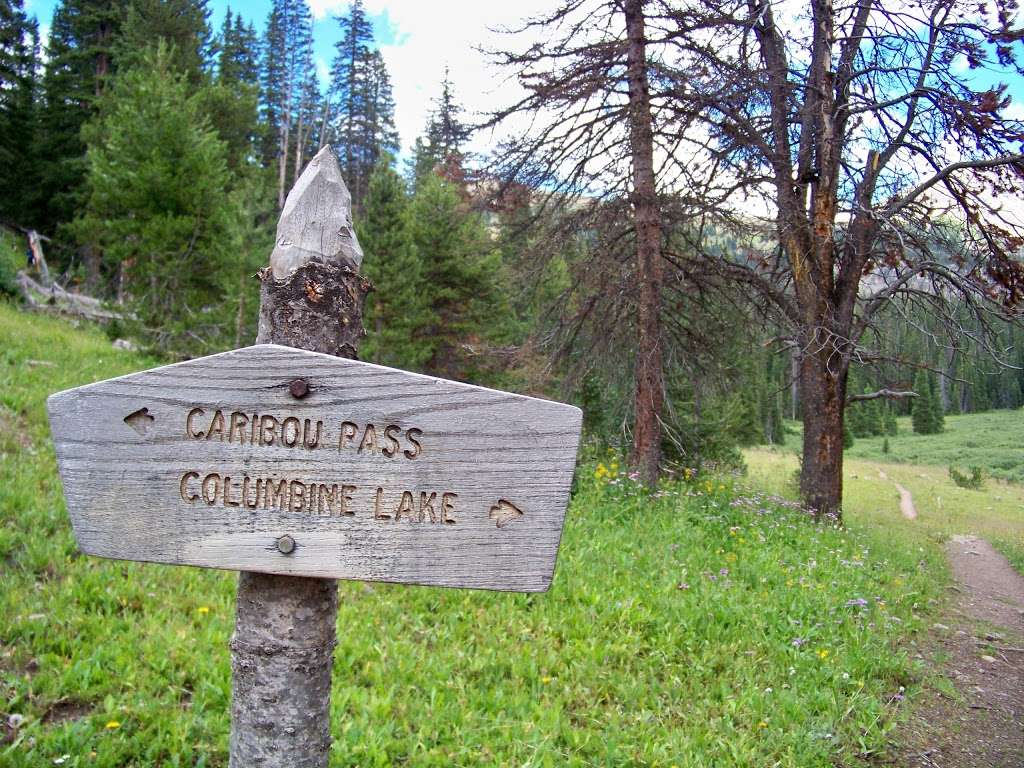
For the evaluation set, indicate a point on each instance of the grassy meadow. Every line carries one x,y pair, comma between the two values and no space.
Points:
920,463
989,440
702,625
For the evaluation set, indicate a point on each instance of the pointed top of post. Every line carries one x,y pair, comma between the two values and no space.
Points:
316,223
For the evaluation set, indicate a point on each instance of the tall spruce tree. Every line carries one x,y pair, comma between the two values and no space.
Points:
398,309
238,51
158,208
459,266
232,100
442,144
287,71
183,24
926,414
19,82
361,103
79,64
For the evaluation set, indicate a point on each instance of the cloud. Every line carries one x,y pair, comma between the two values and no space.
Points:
424,38
321,8
323,70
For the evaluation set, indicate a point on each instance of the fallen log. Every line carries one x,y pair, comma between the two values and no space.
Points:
57,300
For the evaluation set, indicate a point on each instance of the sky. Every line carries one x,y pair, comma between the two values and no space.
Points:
417,38
420,38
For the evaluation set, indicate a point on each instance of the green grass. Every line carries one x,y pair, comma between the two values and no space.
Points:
702,626
995,512
990,440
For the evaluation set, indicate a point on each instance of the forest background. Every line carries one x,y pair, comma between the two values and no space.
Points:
155,151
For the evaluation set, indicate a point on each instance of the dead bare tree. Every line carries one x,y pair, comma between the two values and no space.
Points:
589,72
859,129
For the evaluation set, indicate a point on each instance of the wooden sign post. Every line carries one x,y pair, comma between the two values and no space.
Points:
299,467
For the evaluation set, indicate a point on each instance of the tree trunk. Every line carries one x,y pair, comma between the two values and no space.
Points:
945,396
285,625
648,378
299,144
794,385
823,394
282,171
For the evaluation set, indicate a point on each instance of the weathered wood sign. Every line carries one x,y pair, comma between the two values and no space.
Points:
279,460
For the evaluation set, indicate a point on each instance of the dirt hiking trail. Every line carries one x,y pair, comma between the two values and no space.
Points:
982,651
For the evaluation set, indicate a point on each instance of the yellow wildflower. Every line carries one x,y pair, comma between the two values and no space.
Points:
762,724
823,653
113,724
204,609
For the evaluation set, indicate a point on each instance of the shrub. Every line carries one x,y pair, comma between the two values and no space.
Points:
973,481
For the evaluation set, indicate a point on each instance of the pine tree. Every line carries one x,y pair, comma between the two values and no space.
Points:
232,101
939,416
847,437
927,414
238,58
441,146
380,137
460,267
158,207
889,423
19,76
397,310
79,64
349,74
361,103
184,25
287,72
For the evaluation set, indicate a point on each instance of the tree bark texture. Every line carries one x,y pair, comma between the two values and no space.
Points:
281,659
823,396
285,625
648,376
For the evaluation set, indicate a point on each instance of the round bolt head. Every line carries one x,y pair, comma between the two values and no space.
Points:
299,388
286,545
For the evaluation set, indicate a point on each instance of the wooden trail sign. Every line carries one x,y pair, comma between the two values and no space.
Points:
278,460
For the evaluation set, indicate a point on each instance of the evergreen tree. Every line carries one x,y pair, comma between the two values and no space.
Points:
79,64
349,74
926,413
889,424
397,309
19,82
361,104
460,266
238,55
287,72
847,436
939,417
182,24
380,137
158,207
232,102
441,146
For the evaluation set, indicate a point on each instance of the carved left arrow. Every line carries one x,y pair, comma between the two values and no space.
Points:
139,420
504,512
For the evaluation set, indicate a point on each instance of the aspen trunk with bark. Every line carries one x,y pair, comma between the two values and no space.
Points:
649,376
311,298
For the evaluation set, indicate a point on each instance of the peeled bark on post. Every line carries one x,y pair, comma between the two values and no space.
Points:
649,384
311,298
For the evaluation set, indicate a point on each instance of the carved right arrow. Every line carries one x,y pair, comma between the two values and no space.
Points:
504,512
